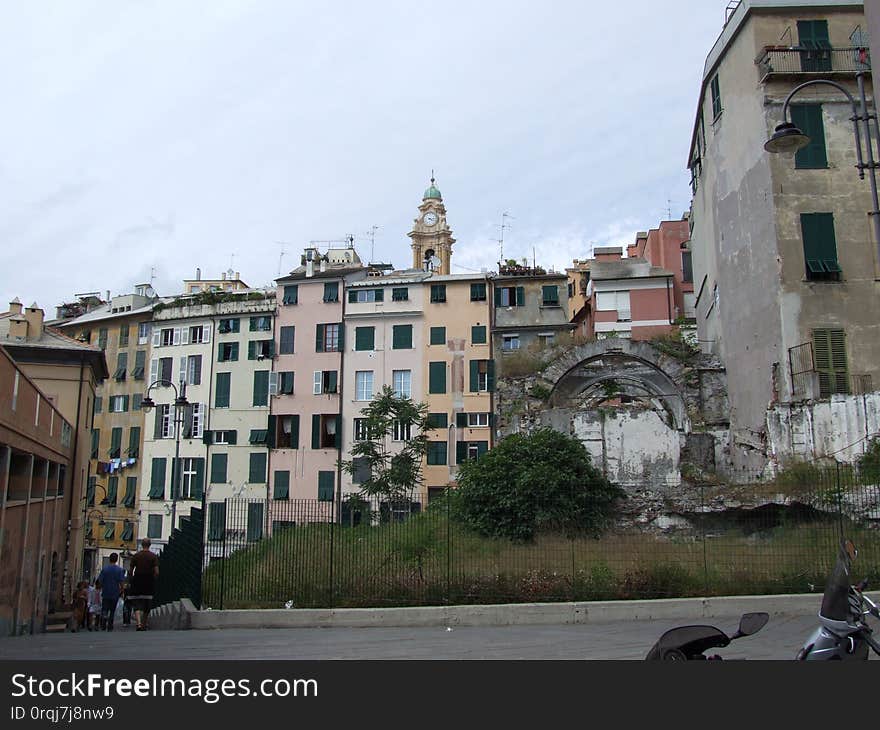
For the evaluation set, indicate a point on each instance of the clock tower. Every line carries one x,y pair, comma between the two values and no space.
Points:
431,236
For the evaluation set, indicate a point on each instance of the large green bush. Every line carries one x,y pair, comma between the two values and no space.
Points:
532,482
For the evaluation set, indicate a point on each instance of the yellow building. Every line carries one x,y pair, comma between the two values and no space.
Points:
120,328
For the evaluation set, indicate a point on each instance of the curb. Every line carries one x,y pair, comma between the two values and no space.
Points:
535,614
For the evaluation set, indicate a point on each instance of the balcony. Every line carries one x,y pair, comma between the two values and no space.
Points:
780,61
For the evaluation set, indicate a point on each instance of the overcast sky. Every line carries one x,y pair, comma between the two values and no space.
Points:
147,138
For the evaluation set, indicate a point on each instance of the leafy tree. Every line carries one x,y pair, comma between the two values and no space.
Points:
869,463
392,473
530,482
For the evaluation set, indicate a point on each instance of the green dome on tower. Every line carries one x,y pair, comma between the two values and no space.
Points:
432,193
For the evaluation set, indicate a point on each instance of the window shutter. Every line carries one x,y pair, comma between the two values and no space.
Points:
252,350
218,468
216,520
520,296
157,479
232,437
352,296
475,376
461,420
338,435
294,431
221,398
490,375
478,335
808,118
837,340
281,488
198,483
184,336
319,338
261,388
157,335
182,373
438,335
316,431
257,467
436,377
134,441
207,437
270,431
460,452
332,382
206,333
157,423
176,336
125,404
273,383
340,340
326,481
318,383
497,296
154,370
255,521
380,295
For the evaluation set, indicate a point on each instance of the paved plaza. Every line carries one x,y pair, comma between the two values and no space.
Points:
780,639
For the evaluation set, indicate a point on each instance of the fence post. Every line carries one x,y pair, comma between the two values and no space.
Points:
332,540
839,504
703,537
448,546
225,556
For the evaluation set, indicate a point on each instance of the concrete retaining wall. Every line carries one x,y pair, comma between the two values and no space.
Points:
507,615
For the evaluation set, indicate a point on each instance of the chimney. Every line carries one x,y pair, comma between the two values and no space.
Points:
323,264
15,306
223,276
237,276
34,317
198,274
18,327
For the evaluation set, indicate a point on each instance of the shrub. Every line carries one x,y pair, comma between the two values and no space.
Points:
869,463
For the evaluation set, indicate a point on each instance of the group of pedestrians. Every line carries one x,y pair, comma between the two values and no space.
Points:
95,605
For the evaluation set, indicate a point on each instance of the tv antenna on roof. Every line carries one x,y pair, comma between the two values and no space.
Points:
281,255
372,234
504,226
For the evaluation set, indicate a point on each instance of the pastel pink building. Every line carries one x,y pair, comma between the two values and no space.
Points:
668,247
305,430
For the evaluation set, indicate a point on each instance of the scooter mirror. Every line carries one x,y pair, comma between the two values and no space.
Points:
850,549
752,623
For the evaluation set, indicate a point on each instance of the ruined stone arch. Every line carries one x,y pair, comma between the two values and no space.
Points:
645,368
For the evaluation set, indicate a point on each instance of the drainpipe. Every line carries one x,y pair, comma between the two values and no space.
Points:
491,302
340,381
73,472
4,495
668,301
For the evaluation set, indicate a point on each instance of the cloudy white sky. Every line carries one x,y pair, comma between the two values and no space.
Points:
145,138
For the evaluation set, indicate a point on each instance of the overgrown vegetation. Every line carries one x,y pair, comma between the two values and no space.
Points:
533,482
676,345
213,297
869,463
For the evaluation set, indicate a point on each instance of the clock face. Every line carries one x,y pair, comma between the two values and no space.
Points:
429,219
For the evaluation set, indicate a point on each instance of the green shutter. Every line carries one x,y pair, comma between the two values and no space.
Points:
716,97
112,491
364,338
478,335
216,520
332,381
402,337
252,350
221,398
438,335
291,294
338,436
198,483
125,402
294,432
207,437
316,431
478,292
157,478
255,521
218,468
436,377
820,246
257,467
130,492
497,296
352,296
475,376
326,480
319,338
282,485
116,443
829,348
96,439
438,420
550,295
270,431
436,453
808,118
261,388
490,379
461,452
520,296
380,295
482,448
461,420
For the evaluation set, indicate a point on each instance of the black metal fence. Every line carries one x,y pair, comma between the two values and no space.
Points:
771,537
180,564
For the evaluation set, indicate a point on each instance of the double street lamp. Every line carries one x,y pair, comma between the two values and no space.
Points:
181,411
788,138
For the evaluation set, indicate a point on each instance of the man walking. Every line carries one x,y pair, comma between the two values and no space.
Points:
144,569
111,579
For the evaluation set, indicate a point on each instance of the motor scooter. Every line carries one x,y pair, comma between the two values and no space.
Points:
843,631
687,643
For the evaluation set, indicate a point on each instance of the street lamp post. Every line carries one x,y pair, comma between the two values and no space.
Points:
788,138
181,404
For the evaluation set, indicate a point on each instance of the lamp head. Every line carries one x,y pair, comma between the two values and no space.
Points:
786,138
147,404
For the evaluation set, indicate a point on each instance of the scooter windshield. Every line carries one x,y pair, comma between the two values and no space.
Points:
689,639
835,602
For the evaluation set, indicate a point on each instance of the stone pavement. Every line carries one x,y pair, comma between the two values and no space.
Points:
780,639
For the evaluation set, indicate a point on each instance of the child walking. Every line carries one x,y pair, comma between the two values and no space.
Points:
95,606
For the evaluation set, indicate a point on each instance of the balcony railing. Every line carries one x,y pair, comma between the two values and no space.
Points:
799,60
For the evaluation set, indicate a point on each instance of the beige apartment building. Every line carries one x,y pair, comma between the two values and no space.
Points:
784,257
119,327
